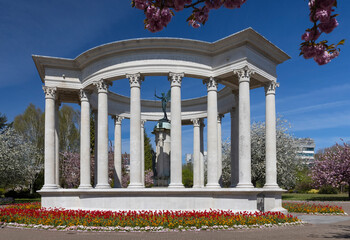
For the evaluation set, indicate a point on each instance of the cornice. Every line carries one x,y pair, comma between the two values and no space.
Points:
245,37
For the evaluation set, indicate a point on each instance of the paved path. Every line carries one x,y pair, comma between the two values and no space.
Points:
319,227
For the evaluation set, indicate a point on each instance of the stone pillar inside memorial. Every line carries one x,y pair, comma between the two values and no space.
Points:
163,142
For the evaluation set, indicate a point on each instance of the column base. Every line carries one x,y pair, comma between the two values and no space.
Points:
197,186
85,186
271,186
244,185
102,186
212,185
49,186
136,185
176,185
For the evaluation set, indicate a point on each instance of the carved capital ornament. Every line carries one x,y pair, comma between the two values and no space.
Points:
175,79
135,79
244,73
50,92
270,88
102,86
212,84
118,119
83,95
196,122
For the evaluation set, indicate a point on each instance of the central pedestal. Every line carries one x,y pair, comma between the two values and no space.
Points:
162,162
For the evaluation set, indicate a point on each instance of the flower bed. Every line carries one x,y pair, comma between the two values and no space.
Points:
32,215
311,208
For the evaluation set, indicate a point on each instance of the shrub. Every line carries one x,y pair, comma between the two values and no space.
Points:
313,191
327,189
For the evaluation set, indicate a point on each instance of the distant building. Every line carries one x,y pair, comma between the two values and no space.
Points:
306,150
189,158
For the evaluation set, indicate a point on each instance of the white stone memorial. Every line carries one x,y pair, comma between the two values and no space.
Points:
241,62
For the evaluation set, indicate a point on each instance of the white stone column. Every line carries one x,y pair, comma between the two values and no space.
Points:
245,180
271,159
135,130
212,133
220,116
96,148
57,145
175,131
85,174
118,151
49,172
202,164
234,143
143,152
196,154
102,145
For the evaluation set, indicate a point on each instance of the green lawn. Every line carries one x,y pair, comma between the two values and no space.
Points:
27,200
315,197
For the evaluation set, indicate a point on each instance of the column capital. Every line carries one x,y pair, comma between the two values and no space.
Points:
135,79
270,88
83,95
244,73
50,92
117,119
102,86
175,79
220,116
143,123
212,84
196,122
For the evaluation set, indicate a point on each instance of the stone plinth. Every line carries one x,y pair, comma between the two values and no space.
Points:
118,199
163,141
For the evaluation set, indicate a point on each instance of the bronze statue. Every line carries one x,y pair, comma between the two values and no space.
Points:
165,99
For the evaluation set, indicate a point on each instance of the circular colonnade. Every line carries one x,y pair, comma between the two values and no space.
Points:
241,62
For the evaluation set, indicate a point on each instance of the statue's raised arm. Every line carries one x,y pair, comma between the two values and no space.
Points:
165,99
155,94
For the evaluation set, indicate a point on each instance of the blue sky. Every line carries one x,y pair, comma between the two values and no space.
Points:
314,99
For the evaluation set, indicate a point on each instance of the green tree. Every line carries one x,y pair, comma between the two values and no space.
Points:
148,152
187,175
3,120
69,120
31,126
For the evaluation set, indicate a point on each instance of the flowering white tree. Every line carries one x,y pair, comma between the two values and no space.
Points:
20,161
159,13
287,162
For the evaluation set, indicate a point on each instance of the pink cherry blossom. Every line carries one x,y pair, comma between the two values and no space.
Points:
194,24
201,15
311,35
157,18
323,15
329,26
310,51
325,3
332,167
141,4
233,3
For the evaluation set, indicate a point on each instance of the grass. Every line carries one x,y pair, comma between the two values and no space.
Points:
315,197
27,200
